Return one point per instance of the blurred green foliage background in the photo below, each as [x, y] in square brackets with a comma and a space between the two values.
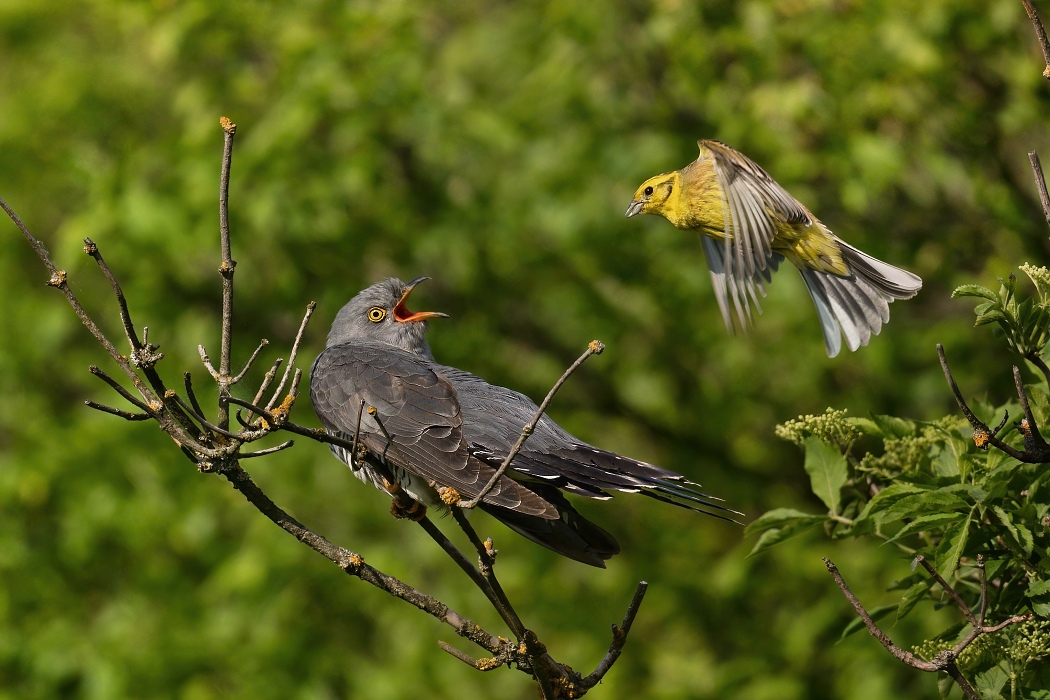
[495, 147]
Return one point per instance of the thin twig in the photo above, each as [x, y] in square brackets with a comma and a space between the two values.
[619, 638]
[59, 281]
[207, 362]
[595, 347]
[267, 380]
[187, 381]
[251, 360]
[269, 450]
[1033, 427]
[488, 664]
[458, 557]
[122, 304]
[226, 269]
[126, 415]
[1040, 184]
[949, 590]
[1040, 34]
[873, 629]
[208, 425]
[485, 558]
[115, 385]
[295, 351]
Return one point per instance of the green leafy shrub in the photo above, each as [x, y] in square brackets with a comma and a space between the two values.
[934, 489]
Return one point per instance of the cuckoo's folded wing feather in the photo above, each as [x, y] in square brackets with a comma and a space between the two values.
[418, 410]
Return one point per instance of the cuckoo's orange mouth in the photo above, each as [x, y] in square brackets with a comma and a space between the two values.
[403, 315]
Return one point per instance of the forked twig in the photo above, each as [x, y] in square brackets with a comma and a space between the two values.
[945, 660]
[1036, 451]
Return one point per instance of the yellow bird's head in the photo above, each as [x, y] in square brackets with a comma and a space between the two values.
[653, 195]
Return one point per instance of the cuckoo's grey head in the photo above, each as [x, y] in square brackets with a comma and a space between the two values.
[380, 313]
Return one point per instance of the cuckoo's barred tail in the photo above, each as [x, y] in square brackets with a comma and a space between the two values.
[858, 305]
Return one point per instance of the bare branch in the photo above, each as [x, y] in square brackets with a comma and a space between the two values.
[269, 450]
[949, 590]
[619, 638]
[355, 565]
[945, 660]
[188, 383]
[267, 380]
[463, 563]
[115, 385]
[291, 358]
[126, 415]
[207, 362]
[1040, 34]
[58, 280]
[226, 269]
[595, 347]
[251, 360]
[1040, 184]
[125, 316]
[873, 629]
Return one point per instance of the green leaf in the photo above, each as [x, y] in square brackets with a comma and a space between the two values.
[781, 517]
[1020, 534]
[865, 425]
[886, 498]
[1037, 588]
[952, 547]
[827, 472]
[943, 500]
[926, 522]
[779, 534]
[911, 597]
[990, 683]
[990, 316]
[974, 290]
[892, 426]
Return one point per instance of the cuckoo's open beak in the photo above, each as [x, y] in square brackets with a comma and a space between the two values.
[635, 208]
[403, 315]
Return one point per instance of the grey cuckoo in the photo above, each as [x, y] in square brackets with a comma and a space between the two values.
[429, 427]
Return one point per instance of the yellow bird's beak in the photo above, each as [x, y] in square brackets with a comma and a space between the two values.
[635, 208]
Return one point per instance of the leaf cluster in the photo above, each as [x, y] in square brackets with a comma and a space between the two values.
[1026, 323]
[928, 489]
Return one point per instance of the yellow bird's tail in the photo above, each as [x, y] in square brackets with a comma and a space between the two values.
[856, 306]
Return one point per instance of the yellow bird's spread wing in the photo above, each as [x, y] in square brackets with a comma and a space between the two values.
[756, 208]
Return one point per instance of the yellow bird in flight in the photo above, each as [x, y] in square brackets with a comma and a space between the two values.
[750, 224]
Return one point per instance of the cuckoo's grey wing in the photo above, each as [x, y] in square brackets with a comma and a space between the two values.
[417, 426]
[493, 417]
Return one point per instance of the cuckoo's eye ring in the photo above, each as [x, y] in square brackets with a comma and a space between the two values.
[648, 191]
[376, 314]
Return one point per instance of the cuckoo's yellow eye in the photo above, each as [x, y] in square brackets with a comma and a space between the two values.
[376, 314]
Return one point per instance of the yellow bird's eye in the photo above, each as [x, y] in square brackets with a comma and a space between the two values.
[648, 191]
[376, 314]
